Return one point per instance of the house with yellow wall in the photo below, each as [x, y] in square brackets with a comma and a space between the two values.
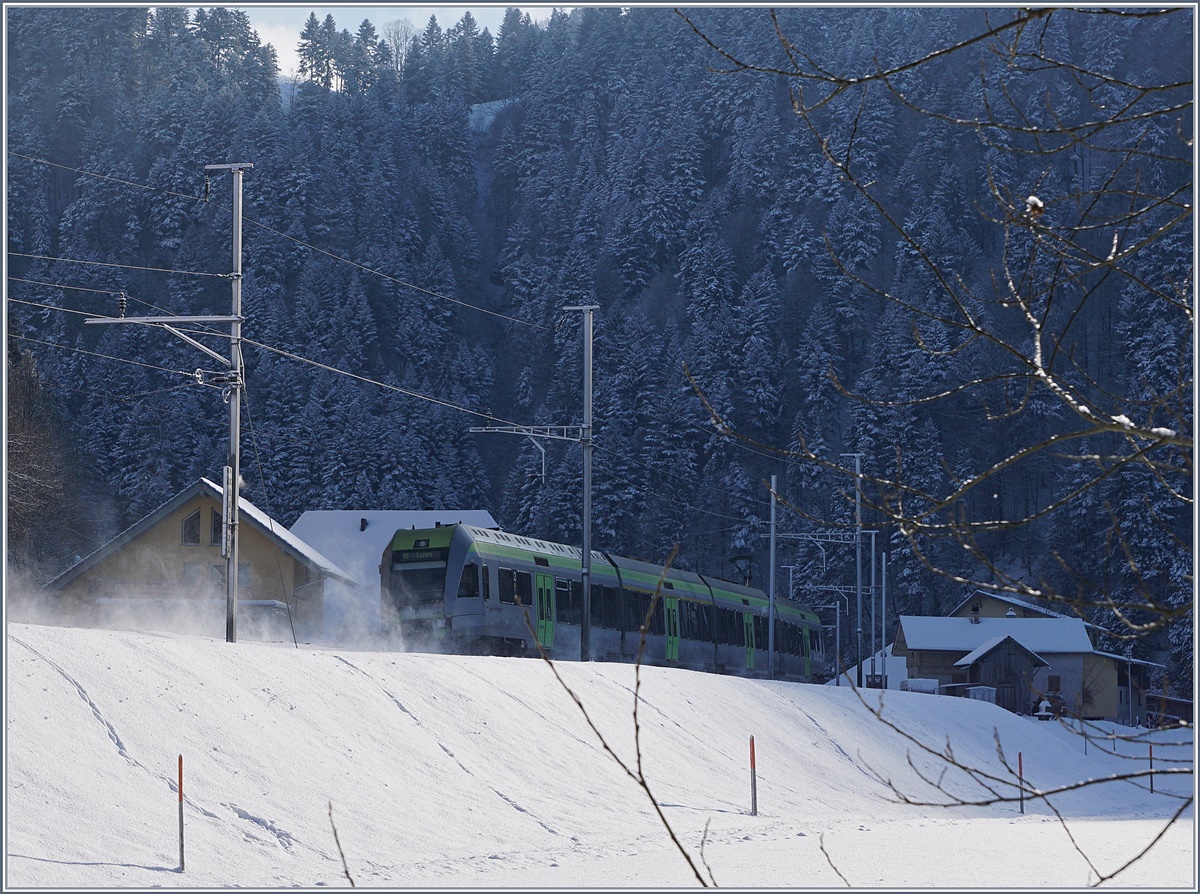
[167, 572]
[1111, 686]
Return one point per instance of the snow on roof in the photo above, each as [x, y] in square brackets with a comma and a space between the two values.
[1019, 603]
[359, 547]
[971, 657]
[1127, 660]
[1038, 635]
[295, 544]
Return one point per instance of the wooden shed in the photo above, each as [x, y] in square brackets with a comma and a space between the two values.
[1005, 665]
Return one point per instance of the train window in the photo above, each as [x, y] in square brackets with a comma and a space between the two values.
[614, 612]
[629, 606]
[508, 586]
[786, 638]
[722, 627]
[570, 610]
[657, 619]
[540, 560]
[468, 584]
[648, 610]
[524, 588]
[761, 633]
[687, 616]
[604, 607]
[487, 587]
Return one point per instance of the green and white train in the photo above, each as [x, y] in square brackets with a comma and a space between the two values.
[461, 589]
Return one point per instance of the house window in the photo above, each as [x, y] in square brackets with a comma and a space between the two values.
[193, 574]
[216, 574]
[191, 529]
[1055, 684]
[217, 535]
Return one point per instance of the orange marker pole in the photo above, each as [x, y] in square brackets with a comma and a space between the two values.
[181, 813]
[753, 782]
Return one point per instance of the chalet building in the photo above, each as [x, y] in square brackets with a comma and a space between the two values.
[1022, 659]
[166, 572]
[1115, 687]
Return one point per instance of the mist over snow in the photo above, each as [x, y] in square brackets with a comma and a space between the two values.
[468, 772]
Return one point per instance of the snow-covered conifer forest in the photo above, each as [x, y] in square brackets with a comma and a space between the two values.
[421, 211]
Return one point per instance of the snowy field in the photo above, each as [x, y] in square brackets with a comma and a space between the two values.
[482, 773]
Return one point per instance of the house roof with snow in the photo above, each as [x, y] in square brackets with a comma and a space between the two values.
[991, 645]
[1039, 635]
[247, 512]
[1024, 604]
[356, 538]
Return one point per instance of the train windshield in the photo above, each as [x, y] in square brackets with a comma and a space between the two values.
[418, 583]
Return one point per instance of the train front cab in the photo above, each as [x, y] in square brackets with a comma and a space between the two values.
[431, 588]
[502, 594]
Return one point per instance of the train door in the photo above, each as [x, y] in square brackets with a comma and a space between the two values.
[806, 651]
[748, 623]
[671, 606]
[544, 593]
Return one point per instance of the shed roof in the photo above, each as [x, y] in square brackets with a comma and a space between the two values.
[1042, 636]
[273, 530]
[992, 644]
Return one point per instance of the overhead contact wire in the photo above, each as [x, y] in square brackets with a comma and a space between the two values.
[204, 200]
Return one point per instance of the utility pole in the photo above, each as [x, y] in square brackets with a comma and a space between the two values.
[871, 559]
[232, 382]
[585, 441]
[858, 555]
[233, 396]
[883, 614]
[583, 435]
[771, 592]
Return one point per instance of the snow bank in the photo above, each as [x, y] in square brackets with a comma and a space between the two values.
[482, 772]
